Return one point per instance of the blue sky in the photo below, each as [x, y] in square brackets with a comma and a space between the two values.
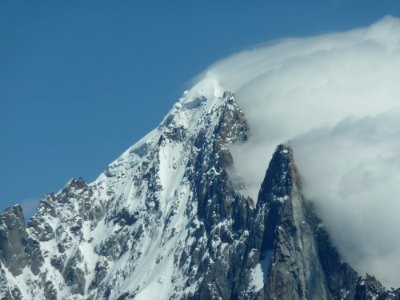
[80, 81]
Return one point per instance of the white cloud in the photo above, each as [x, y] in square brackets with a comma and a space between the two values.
[352, 173]
[336, 98]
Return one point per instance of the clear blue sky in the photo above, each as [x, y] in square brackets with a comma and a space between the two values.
[80, 81]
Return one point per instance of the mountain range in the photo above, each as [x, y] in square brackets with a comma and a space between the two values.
[167, 220]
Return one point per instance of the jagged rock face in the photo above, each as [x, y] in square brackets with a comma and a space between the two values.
[165, 221]
[294, 250]
[155, 224]
[302, 262]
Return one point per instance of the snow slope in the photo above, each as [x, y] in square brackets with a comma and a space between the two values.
[124, 233]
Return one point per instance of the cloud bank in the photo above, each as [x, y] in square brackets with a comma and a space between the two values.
[336, 99]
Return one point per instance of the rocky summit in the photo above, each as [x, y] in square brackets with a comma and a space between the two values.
[166, 221]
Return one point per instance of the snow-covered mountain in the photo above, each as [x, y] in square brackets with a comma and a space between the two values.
[166, 221]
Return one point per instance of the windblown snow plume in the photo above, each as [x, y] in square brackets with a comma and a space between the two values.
[336, 99]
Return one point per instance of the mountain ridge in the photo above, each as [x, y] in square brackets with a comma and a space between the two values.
[166, 221]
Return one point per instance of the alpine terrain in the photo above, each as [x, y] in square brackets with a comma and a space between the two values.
[166, 221]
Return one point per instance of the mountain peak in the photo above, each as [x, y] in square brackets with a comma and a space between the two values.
[281, 175]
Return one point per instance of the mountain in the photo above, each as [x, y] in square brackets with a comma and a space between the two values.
[166, 221]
